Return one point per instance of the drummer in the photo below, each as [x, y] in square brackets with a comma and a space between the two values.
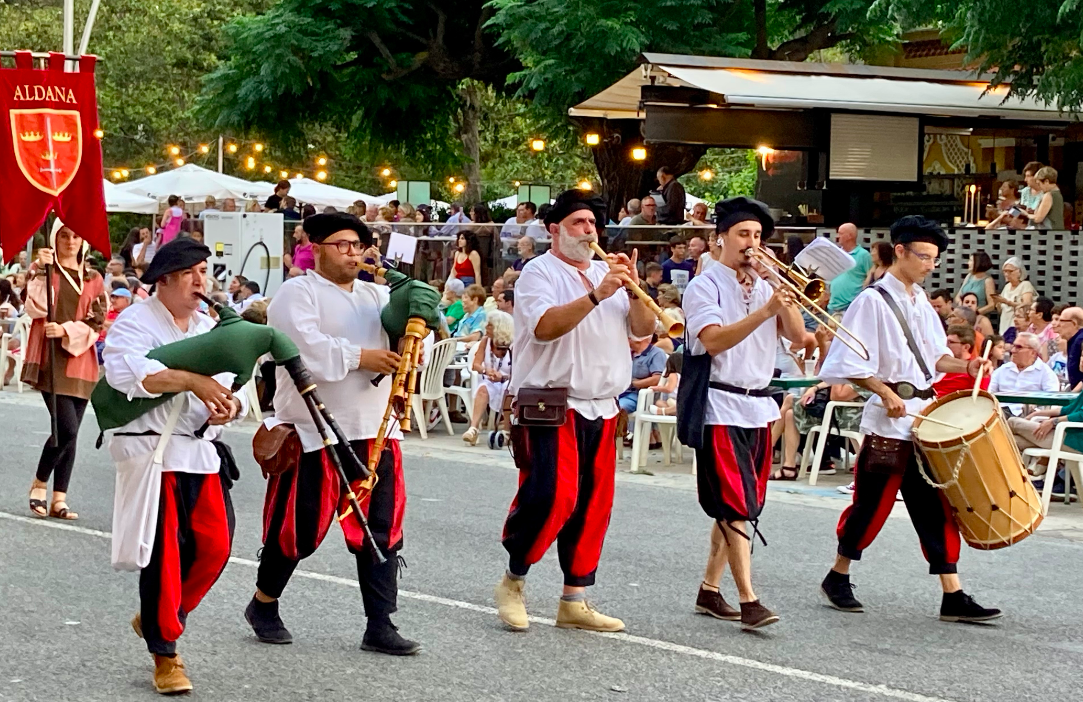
[907, 350]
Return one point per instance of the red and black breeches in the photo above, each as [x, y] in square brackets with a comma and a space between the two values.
[566, 482]
[191, 548]
[300, 506]
[732, 469]
[875, 488]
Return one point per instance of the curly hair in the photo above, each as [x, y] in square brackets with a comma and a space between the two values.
[503, 327]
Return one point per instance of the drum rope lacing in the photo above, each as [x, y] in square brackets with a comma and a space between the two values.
[964, 451]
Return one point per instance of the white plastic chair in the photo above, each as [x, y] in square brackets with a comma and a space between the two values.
[821, 434]
[1073, 463]
[20, 331]
[432, 386]
[667, 429]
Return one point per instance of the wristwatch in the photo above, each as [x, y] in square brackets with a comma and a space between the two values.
[593, 298]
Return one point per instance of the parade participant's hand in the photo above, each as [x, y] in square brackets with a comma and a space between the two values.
[629, 263]
[218, 418]
[45, 257]
[782, 299]
[54, 331]
[977, 364]
[219, 400]
[379, 361]
[894, 405]
[1044, 428]
[612, 282]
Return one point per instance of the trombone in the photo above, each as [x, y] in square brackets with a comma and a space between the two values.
[807, 290]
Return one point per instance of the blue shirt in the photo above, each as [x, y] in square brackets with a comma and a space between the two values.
[669, 265]
[450, 229]
[473, 322]
[1075, 350]
[648, 363]
[845, 287]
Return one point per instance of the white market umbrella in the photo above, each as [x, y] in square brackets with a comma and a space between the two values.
[317, 194]
[194, 183]
[510, 202]
[117, 200]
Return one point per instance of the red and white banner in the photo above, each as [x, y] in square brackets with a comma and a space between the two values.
[50, 157]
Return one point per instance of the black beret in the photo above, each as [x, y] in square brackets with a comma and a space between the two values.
[743, 209]
[178, 255]
[574, 200]
[917, 228]
[319, 227]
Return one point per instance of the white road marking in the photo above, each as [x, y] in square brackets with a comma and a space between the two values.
[751, 663]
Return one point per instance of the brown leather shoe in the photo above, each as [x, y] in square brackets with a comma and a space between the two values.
[170, 677]
[754, 615]
[711, 603]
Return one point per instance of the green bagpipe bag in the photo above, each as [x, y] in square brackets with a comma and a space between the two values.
[409, 298]
[232, 346]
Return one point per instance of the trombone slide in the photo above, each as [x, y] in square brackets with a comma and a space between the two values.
[672, 326]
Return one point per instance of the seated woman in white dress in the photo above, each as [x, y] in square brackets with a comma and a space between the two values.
[492, 362]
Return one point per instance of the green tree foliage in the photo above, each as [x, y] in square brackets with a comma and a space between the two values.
[1036, 47]
[733, 173]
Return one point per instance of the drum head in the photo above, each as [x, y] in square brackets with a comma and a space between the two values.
[969, 414]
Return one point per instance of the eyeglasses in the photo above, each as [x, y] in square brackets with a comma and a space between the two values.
[346, 245]
[924, 258]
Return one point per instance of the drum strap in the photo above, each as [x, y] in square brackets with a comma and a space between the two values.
[894, 306]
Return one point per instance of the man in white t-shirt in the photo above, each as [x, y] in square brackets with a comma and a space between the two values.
[572, 322]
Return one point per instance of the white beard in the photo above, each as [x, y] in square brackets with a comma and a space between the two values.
[574, 248]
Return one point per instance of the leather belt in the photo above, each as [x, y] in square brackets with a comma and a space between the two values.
[750, 392]
[907, 391]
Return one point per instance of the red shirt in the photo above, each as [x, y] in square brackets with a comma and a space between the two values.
[952, 382]
[111, 316]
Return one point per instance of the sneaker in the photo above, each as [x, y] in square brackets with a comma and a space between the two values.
[711, 603]
[265, 622]
[961, 607]
[581, 615]
[381, 636]
[510, 604]
[754, 616]
[839, 592]
[847, 489]
[828, 469]
[470, 436]
[170, 677]
[434, 418]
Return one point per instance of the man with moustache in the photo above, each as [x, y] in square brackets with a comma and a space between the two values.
[334, 319]
[572, 322]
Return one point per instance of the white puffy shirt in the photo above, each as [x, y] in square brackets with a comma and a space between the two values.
[592, 360]
[137, 330]
[890, 358]
[331, 327]
[1037, 377]
[715, 297]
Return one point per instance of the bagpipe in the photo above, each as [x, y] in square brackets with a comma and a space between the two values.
[233, 346]
[409, 316]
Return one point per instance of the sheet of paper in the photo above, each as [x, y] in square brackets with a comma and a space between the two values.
[401, 247]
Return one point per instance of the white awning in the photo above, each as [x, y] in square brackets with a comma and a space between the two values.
[117, 200]
[784, 85]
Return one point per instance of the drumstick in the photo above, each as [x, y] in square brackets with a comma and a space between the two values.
[672, 326]
[981, 371]
[924, 418]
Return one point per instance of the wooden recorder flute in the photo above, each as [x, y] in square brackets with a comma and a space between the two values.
[672, 326]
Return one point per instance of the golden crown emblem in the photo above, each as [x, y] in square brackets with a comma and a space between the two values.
[61, 136]
[49, 155]
[31, 136]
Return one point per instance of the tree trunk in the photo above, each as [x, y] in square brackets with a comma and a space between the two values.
[468, 133]
[759, 18]
[623, 178]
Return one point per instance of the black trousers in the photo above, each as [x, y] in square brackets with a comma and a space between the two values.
[58, 462]
[300, 507]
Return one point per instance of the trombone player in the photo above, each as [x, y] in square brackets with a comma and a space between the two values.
[334, 319]
[725, 408]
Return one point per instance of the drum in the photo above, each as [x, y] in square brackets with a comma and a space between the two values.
[979, 468]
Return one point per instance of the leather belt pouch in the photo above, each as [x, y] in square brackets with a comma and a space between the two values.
[887, 456]
[276, 450]
[541, 407]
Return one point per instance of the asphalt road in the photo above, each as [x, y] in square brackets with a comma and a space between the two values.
[64, 613]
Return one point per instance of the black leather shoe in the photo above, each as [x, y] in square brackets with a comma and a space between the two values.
[265, 622]
[383, 637]
[839, 592]
[961, 607]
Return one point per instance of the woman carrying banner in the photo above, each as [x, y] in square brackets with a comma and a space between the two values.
[79, 306]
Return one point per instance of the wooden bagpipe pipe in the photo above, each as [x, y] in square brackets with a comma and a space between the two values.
[233, 346]
[409, 316]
